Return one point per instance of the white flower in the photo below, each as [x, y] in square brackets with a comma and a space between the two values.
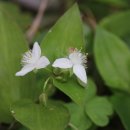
[75, 60]
[33, 60]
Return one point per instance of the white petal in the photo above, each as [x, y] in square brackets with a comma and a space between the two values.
[80, 72]
[26, 69]
[62, 63]
[42, 63]
[36, 51]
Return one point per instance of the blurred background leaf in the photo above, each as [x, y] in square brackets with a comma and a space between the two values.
[114, 2]
[118, 24]
[112, 58]
[23, 19]
[121, 104]
[12, 88]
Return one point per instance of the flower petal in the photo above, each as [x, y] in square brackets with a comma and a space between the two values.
[80, 72]
[62, 63]
[36, 51]
[26, 69]
[42, 63]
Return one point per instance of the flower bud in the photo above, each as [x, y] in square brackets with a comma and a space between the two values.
[43, 99]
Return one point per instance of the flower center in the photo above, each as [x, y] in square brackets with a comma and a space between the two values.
[77, 57]
[27, 58]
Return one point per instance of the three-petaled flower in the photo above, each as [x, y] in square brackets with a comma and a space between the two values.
[33, 60]
[75, 60]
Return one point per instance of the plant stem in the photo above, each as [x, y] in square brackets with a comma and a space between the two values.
[45, 84]
[11, 125]
[72, 126]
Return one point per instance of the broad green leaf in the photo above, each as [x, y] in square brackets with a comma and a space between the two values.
[112, 59]
[12, 88]
[72, 89]
[79, 118]
[121, 104]
[99, 109]
[76, 92]
[66, 33]
[117, 23]
[37, 117]
[91, 90]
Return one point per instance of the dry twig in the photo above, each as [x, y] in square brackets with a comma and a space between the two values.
[37, 21]
[90, 19]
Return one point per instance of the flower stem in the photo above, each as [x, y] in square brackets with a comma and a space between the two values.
[45, 84]
[48, 70]
[11, 125]
[43, 97]
[73, 127]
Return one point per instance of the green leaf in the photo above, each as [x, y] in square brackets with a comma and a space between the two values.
[99, 109]
[12, 88]
[91, 90]
[76, 92]
[66, 33]
[112, 59]
[117, 23]
[79, 118]
[121, 104]
[72, 89]
[37, 117]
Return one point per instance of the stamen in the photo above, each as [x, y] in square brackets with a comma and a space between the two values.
[77, 57]
[27, 56]
[84, 60]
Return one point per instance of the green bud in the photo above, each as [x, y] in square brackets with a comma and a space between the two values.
[64, 74]
[57, 71]
[43, 99]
